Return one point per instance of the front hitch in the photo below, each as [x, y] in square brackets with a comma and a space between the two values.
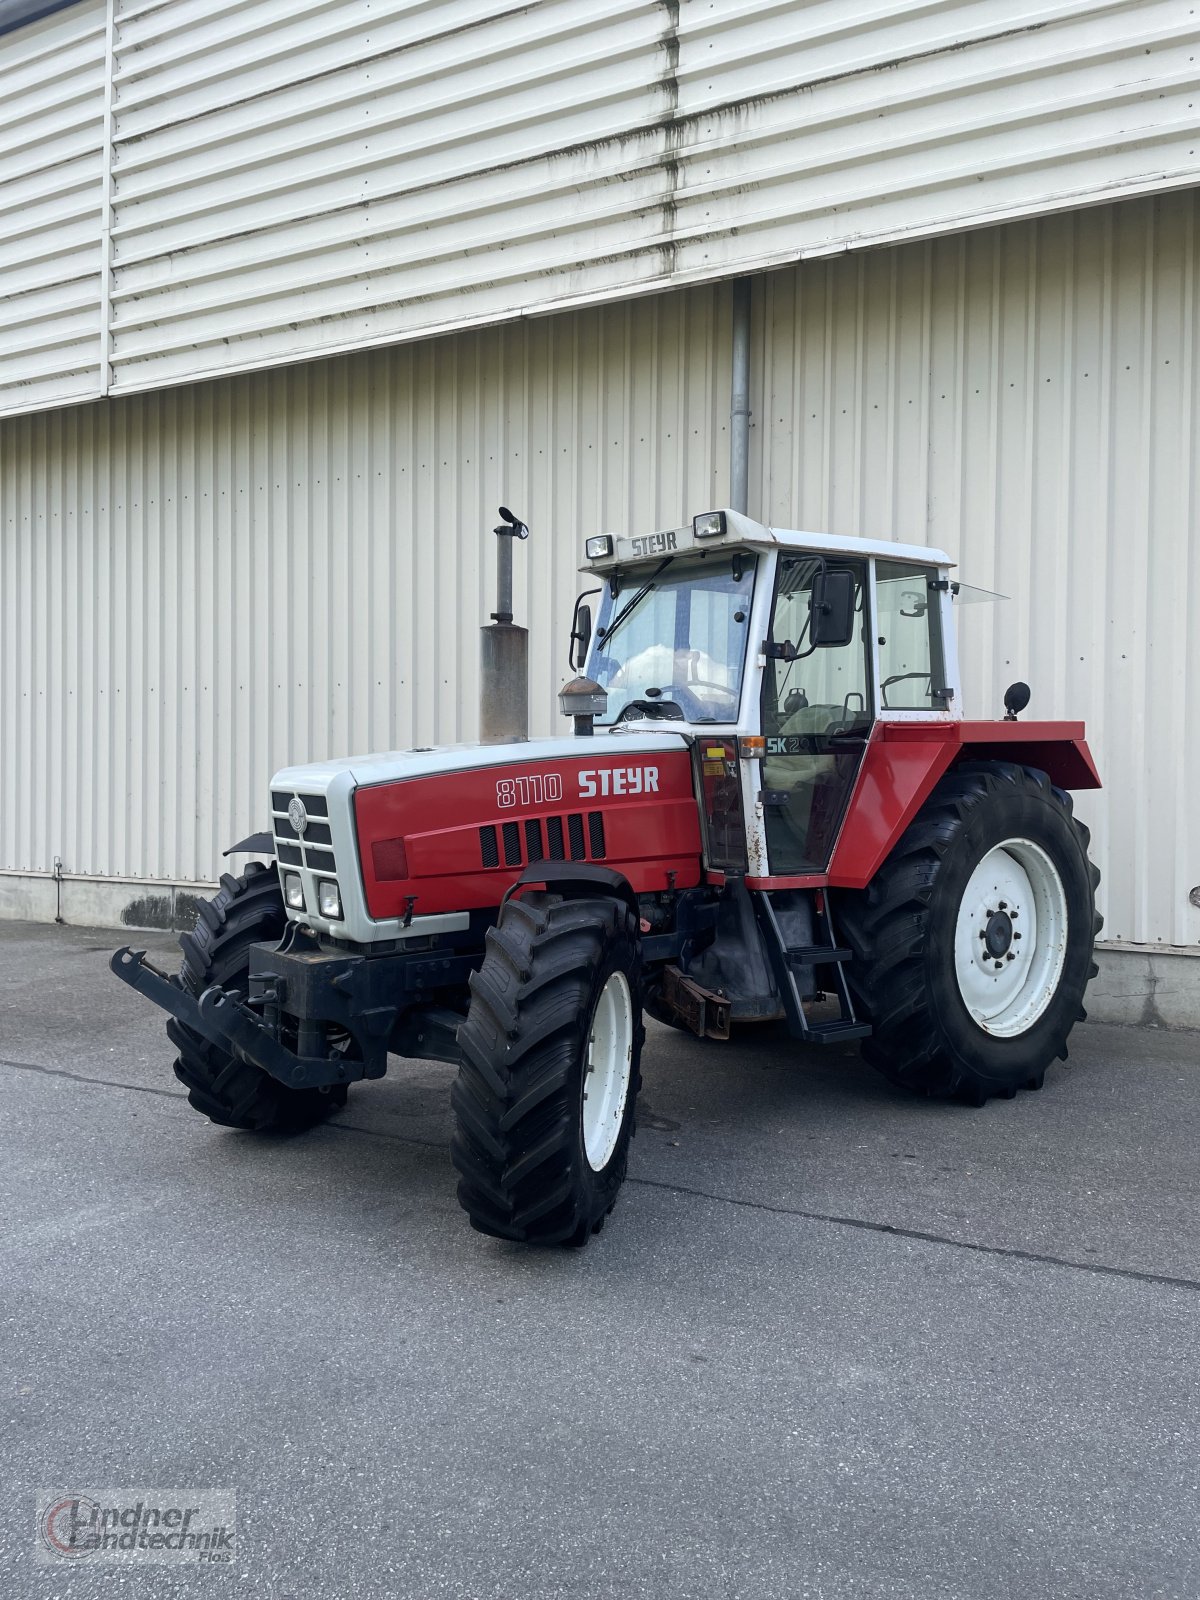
[221, 1017]
[166, 992]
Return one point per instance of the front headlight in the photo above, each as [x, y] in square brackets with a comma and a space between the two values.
[328, 900]
[599, 546]
[293, 891]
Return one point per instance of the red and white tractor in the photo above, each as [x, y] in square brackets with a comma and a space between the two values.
[771, 809]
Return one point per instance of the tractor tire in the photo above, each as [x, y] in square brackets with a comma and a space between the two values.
[246, 911]
[544, 1103]
[973, 944]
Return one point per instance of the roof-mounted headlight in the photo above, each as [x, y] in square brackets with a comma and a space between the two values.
[599, 546]
[708, 525]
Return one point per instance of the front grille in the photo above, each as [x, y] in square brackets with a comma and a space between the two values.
[314, 847]
[544, 839]
[315, 804]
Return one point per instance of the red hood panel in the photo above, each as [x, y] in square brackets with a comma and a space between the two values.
[469, 834]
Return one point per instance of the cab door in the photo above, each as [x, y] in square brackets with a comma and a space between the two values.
[817, 714]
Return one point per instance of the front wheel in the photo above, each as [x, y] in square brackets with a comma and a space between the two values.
[973, 944]
[234, 1093]
[545, 1098]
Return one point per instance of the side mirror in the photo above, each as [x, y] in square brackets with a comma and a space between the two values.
[831, 609]
[581, 636]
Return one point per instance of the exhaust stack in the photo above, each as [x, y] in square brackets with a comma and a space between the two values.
[504, 651]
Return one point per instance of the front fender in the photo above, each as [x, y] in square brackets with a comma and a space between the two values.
[576, 880]
[258, 844]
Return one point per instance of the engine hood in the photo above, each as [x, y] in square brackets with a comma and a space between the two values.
[426, 761]
[402, 835]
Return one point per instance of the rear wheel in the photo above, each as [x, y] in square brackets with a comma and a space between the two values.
[545, 1097]
[246, 911]
[973, 944]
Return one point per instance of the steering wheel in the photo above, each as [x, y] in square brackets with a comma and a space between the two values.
[656, 710]
[902, 677]
[694, 707]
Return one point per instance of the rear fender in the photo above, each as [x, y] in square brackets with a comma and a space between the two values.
[904, 760]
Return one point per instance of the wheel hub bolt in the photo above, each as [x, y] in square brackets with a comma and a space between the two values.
[998, 936]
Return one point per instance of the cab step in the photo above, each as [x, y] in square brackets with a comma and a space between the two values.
[818, 955]
[788, 960]
[837, 1031]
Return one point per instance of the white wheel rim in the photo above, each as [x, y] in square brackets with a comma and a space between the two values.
[607, 1069]
[1010, 940]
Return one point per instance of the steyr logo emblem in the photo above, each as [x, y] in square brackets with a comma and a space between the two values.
[618, 780]
[297, 815]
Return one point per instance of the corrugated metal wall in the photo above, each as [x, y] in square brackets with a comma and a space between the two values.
[198, 585]
[292, 177]
[51, 207]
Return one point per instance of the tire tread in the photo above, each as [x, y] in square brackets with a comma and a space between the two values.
[886, 925]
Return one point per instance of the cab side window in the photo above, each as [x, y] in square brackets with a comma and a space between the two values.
[910, 657]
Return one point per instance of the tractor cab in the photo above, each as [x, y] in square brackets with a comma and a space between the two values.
[779, 650]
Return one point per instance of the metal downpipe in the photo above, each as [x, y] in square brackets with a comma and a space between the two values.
[739, 410]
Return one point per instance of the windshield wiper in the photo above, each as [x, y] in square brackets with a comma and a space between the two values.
[603, 635]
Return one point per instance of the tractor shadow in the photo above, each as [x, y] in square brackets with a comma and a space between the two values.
[759, 1068]
[759, 1117]
[817, 1127]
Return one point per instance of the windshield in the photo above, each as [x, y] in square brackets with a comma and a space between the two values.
[678, 655]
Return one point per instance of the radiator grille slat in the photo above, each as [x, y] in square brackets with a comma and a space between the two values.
[534, 839]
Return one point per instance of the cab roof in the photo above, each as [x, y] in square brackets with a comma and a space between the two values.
[742, 532]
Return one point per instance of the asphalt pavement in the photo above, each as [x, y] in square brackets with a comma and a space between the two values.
[835, 1341]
